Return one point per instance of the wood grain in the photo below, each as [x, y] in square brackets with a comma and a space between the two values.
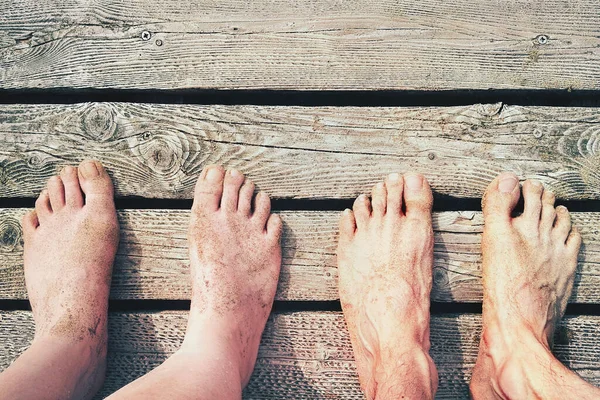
[305, 355]
[304, 44]
[154, 150]
[152, 260]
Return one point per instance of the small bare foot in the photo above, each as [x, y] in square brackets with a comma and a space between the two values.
[385, 260]
[235, 258]
[529, 265]
[70, 244]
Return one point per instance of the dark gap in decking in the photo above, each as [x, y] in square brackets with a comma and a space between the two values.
[370, 98]
[147, 305]
[441, 203]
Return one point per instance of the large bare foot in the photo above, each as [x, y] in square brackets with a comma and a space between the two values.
[235, 259]
[385, 260]
[70, 243]
[529, 265]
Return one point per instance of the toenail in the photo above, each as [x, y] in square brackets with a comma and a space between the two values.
[414, 182]
[536, 183]
[508, 184]
[362, 197]
[395, 177]
[68, 170]
[234, 173]
[89, 169]
[212, 174]
[561, 209]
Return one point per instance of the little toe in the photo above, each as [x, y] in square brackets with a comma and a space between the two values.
[395, 186]
[95, 183]
[347, 225]
[362, 211]
[562, 225]
[231, 190]
[209, 189]
[56, 191]
[532, 197]
[417, 196]
[574, 241]
[73, 195]
[379, 199]
[29, 222]
[275, 227]
[43, 209]
[262, 209]
[245, 197]
[501, 197]
[548, 212]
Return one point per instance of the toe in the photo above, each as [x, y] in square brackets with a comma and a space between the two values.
[245, 197]
[532, 197]
[417, 196]
[73, 195]
[209, 189]
[43, 209]
[395, 186]
[362, 211]
[347, 225]
[379, 199]
[275, 227]
[95, 183]
[231, 190]
[501, 197]
[562, 225]
[29, 222]
[548, 212]
[262, 209]
[574, 241]
[56, 191]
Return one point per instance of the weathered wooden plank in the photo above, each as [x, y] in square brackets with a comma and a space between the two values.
[305, 355]
[155, 150]
[305, 44]
[152, 261]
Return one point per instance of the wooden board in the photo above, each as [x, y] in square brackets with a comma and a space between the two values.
[305, 44]
[152, 261]
[155, 150]
[305, 355]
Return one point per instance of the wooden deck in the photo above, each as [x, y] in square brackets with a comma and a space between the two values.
[312, 159]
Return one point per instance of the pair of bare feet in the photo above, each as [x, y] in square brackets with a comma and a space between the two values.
[385, 260]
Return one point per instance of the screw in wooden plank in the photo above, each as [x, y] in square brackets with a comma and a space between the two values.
[158, 42]
[146, 35]
[542, 39]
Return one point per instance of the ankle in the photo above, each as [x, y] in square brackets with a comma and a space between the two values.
[411, 374]
[504, 363]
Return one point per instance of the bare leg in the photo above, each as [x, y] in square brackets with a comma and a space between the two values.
[385, 260]
[235, 259]
[528, 270]
[70, 244]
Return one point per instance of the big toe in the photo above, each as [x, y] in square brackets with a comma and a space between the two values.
[501, 196]
[209, 189]
[418, 197]
[95, 182]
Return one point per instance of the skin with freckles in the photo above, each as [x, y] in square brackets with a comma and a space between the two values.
[70, 243]
[529, 264]
[385, 261]
[235, 257]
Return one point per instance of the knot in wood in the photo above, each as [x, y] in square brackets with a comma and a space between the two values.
[10, 233]
[164, 153]
[440, 278]
[98, 122]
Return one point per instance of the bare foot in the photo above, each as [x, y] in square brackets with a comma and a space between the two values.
[70, 244]
[235, 258]
[529, 265]
[385, 260]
